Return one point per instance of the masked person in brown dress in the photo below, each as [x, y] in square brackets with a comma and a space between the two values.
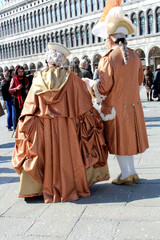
[60, 148]
[120, 75]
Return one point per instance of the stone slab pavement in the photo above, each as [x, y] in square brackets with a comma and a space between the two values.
[111, 213]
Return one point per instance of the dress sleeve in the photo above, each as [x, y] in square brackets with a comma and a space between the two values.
[105, 71]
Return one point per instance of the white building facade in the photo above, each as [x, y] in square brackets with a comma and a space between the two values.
[27, 26]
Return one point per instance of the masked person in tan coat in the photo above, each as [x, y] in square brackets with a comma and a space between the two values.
[120, 75]
[60, 148]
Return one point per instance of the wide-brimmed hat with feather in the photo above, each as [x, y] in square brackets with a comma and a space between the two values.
[113, 20]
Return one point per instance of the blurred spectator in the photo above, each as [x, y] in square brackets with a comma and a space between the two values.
[30, 76]
[7, 97]
[96, 75]
[148, 81]
[74, 66]
[18, 89]
[156, 83]
[84, 68]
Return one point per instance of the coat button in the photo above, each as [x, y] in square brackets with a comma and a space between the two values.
[133, 104]
[124, 106]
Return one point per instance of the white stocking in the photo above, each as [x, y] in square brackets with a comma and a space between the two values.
[131, 164]
[126, 164]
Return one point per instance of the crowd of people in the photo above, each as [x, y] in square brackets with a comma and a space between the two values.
[14, 88]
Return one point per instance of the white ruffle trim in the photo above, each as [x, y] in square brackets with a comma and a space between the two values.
[104, 117]
[98, 99]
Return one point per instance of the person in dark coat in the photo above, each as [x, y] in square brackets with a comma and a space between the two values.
[148, 81]
[156, 82]
[84, 69]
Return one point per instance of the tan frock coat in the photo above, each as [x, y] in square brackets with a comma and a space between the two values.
[60, 148]
[126, 133]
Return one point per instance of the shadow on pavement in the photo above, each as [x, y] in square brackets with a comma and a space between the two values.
[109, 193]
[7, 145]
[152, 125]
[152, 119]
[5, 180]
[35, 200]
[7, 170]
[4, 159]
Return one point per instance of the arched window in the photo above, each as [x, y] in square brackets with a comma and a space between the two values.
[88, 34]
[14, 26]
[82, 36]
[31, 20]
[158, 20]
[134, 21]
[62, 37]
[87, 6]
[24, 22]
[47, 15]
[93, 36]
[82, 6]
[21, 24]
[35, 19]
[104, 2]
[25, 47]
[12, 49]
[150, 22]
[15, 47]
[36, 41]
[71, 8]
[72, 38]
[77, 37]
[52, 37]
[44, 42]
[76, 7]
[66, 9]
[6, 51]
[19, 49]
[57, 37]
[48, 38]
[9, 51]
[52, 14]
[2, 29]
[142, 23]
[40, 44]
[8, 27]
[67, 39]
[56, 13]
[28, 22]
[99, 4]
[43, 17]
[61, 11]
[29, 47]
[33, 46]
[17, 23]
[11, 27]
[93, 6]
[22, 48]
[39, 18]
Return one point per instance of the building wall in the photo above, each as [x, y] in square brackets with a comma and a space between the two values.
[27, 26]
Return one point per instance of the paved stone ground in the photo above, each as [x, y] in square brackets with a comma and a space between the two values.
[111, 213]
